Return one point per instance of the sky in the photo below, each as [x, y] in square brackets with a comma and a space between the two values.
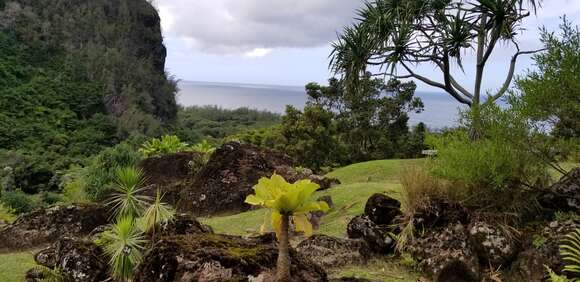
[287, 42]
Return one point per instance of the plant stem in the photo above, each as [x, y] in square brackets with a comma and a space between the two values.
[283, 263]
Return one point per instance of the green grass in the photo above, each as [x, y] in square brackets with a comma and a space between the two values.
[359, 182]
[373, 171]
[13, 266]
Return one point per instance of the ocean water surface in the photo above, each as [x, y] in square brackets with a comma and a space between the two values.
[440, 109]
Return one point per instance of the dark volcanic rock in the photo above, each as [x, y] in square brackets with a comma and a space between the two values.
[440, 213]
[564, 195]
[212, 257]
[223, 184]
[382, 209]
[539, 249]
[446, 255]
[333, 252]
[184, 224]
[379, 237]
[169, 173]
[46, 225]
[77, 260]
[493, 246]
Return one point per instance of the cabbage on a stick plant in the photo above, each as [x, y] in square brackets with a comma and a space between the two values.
[287, 202]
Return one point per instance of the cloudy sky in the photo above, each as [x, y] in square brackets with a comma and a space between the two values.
[286, 42]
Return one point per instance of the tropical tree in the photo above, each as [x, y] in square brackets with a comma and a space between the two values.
[288, 203]
[393, 34]
[128, 200]
[157, 213]
[124, 244]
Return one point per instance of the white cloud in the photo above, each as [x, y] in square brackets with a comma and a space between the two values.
[258, 52]
[252, 26]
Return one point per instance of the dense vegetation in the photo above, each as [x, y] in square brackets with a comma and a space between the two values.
[341, 126]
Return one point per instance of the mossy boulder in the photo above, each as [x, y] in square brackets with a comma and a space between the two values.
[214, 257]
[46, 225]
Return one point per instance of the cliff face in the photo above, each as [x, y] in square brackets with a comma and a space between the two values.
[115, 43]
[77, 76]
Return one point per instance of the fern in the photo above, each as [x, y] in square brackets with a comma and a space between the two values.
[570, 252]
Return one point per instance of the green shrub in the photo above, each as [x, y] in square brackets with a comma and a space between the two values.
[74, 186]
[6, 214]
[167, 144]
[496, 168]
[100, 173]
[19, 201]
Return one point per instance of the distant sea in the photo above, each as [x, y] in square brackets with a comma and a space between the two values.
[440, 109]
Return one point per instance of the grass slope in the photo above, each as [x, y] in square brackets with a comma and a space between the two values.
[13, 266]
[359, 182]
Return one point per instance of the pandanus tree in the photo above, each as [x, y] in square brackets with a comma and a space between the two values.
[287, 203]
[393, 35]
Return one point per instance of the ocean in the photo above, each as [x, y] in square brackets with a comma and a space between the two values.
[440, 109]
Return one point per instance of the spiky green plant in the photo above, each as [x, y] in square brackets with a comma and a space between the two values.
[127, 200]
[287, 202]
[570, 252]
[203, 147]
[157, 213]
[123, 244]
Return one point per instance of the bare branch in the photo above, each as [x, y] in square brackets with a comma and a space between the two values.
[510, 74]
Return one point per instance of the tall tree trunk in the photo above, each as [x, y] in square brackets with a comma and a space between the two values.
[283, 264]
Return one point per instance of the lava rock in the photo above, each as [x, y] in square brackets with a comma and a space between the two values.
[564, 195]
[223, 184]
[541, 248]
[333, 252]
[182, 224]
[45, 225]
[446, 255]
[379, 238]
[225, 181]
[440, 213]
[77, 260]
[382, 209]
[168, 173]
[213, 257]
[493, 246]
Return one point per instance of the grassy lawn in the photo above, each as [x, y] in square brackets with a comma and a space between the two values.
[13, 266]
[359, 182]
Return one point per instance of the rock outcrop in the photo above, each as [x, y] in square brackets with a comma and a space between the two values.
[378, 225]
[233, 169]
[77, 260]
[212, 257]
[334, 252]
[564, 195]
[493, 245]
[169, 173]
[46, 225]
[446, 255]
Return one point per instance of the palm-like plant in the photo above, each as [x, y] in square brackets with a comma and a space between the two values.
[401, 34]
[203, 147]
[287, 202]
[157, 213]
[127, 200]
[123, 244]
[570, 252]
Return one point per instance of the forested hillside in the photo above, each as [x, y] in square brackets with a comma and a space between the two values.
[76, 77]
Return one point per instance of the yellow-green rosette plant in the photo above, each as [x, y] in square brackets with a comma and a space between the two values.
[287, 202]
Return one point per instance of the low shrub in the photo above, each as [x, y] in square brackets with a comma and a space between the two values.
[6, 214]
[498, 169]
[100, 173]
[19, 201]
